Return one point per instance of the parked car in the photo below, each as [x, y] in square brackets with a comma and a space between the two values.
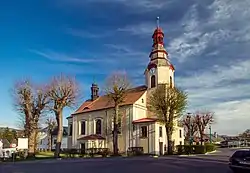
[240, 161]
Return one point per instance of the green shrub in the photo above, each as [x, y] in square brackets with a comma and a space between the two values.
[199, 149]
[194, 149]
[180, 149]
[210, 147]
[188, 149]
[135, 151]
[23, 154]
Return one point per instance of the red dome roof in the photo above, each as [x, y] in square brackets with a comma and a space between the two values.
[158, 31]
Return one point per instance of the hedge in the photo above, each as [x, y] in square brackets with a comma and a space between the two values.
[210, 147]
[194, 149]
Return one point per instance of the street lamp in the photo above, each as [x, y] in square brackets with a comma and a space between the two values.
[190, 136]
[210, 134]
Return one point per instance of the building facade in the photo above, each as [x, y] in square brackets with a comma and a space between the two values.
[43, 144]
[91, 125]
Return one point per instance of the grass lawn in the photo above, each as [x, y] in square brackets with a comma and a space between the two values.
[48, 154]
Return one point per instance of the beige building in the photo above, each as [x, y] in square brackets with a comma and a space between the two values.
[91, 125]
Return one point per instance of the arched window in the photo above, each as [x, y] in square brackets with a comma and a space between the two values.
[98, 126]
[153, 81]
[171, 82]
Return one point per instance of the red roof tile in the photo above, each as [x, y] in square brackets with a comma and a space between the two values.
[104, 102]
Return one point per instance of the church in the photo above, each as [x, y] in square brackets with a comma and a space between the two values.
[90, 126]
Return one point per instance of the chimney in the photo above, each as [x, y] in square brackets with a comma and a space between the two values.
[94, 91]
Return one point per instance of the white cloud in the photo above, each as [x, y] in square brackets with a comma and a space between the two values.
[236, 71]
[55, 56]
[232, 117]
[142, 5]
[196, 36]
[226, 23]
[228, 11]
[218, 91]
[86, 34]
[141, 29]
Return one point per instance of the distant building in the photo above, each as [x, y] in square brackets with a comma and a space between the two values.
[91, 125]
[44, 139]
[215, 138]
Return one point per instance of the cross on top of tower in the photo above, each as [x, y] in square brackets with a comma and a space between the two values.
[158, 22]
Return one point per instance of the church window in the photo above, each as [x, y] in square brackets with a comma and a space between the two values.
[70, 129]
[160, 131]
[153, 81]
[144, 132]
[171, 82]
[98, 127]
[83, 128]
[142, 100]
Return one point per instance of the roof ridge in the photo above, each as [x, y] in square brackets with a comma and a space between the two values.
[92, 102]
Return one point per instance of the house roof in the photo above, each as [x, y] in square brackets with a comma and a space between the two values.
[92, 137]
[103, 102]
[6, 143]
[65, 131]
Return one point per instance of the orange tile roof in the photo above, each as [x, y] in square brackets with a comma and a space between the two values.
[103, 102]
[145, 120]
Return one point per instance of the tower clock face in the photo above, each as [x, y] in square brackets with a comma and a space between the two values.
[152, 70]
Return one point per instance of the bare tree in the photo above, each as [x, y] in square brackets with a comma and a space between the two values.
[167, 104]
[202, 119]
[30, 101]
[115, 88]
[190, 126]
[63, 93]
[51, 125]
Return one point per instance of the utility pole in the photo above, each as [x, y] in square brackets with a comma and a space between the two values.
[190, 137]
[210, 134]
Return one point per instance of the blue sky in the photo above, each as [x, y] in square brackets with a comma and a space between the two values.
[208, 42]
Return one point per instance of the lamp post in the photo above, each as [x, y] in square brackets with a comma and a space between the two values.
[210, 134]
[190, 137]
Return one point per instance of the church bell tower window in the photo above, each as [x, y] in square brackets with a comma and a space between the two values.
[153, 81]
[171, 82]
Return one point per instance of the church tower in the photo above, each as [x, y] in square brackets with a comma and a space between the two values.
[94, 91]
[159, 69]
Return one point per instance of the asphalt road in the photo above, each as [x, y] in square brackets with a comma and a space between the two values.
[120, 165]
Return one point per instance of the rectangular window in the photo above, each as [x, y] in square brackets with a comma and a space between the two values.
[54, 141]
[144, 132]
[83, 128]
[70, 129]
[134, 128]
[180, 142]
[180, 133]
[160, 131]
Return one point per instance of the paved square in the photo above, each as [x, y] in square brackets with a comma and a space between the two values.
[119, 165]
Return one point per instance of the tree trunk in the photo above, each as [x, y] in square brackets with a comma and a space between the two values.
[36, 139]
[115, 132]
[169, 140]
[59, 134]
[31, 143]
[49, 142]
[201, 134]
